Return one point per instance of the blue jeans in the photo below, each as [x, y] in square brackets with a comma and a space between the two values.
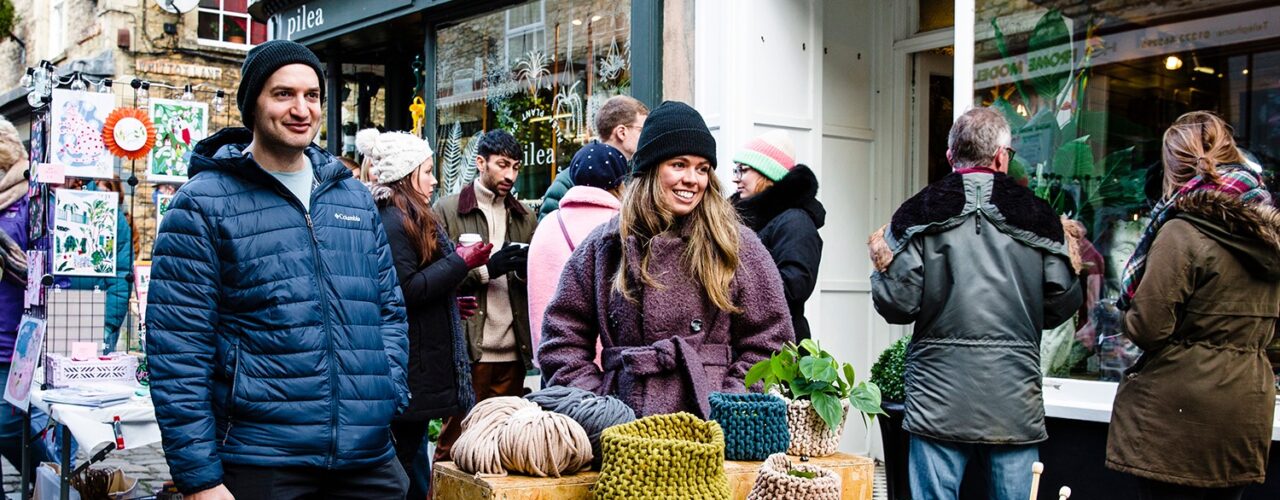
[937, 467]
[11, 432]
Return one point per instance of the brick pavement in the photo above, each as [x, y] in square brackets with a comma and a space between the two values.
[146, 464]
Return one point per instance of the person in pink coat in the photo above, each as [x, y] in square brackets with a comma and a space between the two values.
[597, 171]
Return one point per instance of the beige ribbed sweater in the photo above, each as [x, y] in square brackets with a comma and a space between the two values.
[498, 343]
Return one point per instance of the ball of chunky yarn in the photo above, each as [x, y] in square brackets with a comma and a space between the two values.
[594, 413]
[542, 443]
[476, 450]
[510, 433]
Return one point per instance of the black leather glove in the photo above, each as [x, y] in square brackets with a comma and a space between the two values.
[509, 258]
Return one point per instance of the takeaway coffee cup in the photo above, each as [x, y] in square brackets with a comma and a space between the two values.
[469, 239]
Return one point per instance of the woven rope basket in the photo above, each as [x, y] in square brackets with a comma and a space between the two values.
[663, 456]
[810, 436]
[774, 482]
[755, 425]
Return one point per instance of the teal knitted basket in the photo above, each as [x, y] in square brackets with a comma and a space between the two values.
[755, 425]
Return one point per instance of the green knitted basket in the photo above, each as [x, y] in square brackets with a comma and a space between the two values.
[663, 456]
[755, 425]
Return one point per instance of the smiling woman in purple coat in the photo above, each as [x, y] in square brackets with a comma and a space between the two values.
[683, 298]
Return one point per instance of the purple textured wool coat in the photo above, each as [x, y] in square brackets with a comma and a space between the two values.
[672, 348]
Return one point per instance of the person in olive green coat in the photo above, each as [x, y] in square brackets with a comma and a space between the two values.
[1193, 417]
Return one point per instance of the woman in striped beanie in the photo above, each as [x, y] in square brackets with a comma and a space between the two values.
[778, 199]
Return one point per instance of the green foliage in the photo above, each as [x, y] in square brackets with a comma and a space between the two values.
[816, 375]
[801, 474]
[8, 18]
[433, 429]
[887, 372]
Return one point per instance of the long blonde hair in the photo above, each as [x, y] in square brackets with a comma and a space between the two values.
[1196, 144]
[711, 255]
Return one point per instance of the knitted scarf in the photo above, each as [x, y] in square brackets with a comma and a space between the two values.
[1233, 179]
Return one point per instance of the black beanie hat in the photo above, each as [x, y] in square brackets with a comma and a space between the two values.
[261, 63]
[672, 129]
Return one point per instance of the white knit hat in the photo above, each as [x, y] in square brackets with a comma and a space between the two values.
[365, 139]
[395, 155]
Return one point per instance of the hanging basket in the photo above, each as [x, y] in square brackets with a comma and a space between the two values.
[663, 456]
[776, 481]
[755, 425]
[810, 436]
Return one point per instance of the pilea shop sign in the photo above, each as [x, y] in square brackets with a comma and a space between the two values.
[303, 22]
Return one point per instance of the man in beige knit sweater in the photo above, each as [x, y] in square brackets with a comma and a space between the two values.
[498, 334]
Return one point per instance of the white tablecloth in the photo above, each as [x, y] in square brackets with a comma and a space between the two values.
[92, 426]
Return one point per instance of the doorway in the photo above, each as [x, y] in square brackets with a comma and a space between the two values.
[932, 80]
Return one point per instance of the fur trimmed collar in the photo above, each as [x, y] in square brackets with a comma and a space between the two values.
[1250, 231]
[798, 189]
[1012, 208]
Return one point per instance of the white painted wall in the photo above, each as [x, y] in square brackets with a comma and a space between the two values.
[760, 65]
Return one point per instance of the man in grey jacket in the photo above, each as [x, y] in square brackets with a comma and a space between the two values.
[981, 266]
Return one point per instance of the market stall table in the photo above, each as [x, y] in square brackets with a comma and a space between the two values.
[93, 428]
[449, 483]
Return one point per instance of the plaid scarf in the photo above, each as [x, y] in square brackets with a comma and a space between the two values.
[1235, 180]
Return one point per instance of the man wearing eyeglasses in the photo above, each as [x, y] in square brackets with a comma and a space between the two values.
[618, 124]
[498, 333]
[981, 266]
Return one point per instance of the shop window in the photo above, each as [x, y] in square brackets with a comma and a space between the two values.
[228, 21]
[539, 70]
[1089, 92]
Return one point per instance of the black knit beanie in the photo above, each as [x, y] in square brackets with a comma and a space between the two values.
[672, 129]
[262, 62]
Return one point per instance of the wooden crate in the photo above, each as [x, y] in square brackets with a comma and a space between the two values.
[449, 483]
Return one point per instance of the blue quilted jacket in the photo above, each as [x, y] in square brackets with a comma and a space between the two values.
[276, 338]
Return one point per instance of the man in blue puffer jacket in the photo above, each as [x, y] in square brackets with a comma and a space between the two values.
[277, 335]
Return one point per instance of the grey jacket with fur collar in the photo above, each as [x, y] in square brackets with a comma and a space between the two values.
[981, 267]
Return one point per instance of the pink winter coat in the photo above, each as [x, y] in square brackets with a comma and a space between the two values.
[582, 208]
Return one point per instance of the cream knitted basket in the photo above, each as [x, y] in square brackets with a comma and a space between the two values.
[774, 481]
[810, 436]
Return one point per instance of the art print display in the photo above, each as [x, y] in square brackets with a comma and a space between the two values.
[142, 283]
[37, 139]
[26, 353]
[162, 208]
[84, 232]
[35, 271]
[37, 215]
[179, 125]
[75, 126]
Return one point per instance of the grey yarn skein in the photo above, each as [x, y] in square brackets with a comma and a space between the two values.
[594, 413]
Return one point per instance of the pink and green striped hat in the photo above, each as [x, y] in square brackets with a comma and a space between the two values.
[772, 154]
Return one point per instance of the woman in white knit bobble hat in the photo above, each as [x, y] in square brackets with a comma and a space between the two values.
[430, 270]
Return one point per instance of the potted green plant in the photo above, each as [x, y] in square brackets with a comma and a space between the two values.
[819, 391]
[887, 374]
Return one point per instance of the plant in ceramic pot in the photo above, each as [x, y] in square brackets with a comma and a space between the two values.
[819, 391]
[887, 373]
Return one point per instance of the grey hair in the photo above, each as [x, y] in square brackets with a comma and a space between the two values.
[977, 137]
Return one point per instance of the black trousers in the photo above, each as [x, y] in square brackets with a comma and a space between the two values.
[250, 482]
[1155, 490]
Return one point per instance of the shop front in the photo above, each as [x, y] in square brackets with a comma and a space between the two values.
[1089, 89]
[451, 70]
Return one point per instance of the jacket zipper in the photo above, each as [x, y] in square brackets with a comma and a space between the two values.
[333, 373]
[235, 377]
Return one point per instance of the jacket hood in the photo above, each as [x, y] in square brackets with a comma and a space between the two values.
[589, 197]
[1250, 231]
[224, 151]
[798, 189]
